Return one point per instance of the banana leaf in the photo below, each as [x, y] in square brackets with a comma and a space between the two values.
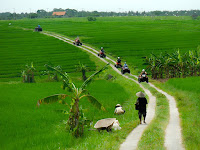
[94, 102]
[51, 99]
[92, 76]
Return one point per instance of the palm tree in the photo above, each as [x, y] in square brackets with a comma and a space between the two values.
[77, 94]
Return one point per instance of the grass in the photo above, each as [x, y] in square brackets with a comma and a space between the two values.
[131, 38]
[21, 47]
[186, 92]
[153, 137]
[20, 119]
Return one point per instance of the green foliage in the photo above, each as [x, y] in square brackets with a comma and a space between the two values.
[52, 75]
[75, 125]
[174, 65]
[28, 74]
[194, 16]
[52, 99]
[82, 68]
[91, 18]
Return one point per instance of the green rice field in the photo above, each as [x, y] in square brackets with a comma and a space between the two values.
[24, 126]
[20, 47]
[131, 38]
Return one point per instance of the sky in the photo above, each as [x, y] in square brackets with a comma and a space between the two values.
[19, 6]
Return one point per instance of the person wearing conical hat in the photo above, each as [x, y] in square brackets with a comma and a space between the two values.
[119, 110]
[141, 102]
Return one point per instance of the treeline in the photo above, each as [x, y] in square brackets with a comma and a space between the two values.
[174, 65]
[75, 13]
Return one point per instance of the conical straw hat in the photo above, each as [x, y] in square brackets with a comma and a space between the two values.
[104, 122]
[118, 105]
[140, 94]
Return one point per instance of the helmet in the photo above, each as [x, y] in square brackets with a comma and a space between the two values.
[118, 57]
[101, 47]
[143, 70]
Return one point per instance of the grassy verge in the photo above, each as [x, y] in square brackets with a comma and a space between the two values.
[186, 92]
[153, 136]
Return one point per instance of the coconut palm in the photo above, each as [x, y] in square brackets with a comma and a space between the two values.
[76, 95]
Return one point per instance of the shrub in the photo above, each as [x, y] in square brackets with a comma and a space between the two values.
[91, 18]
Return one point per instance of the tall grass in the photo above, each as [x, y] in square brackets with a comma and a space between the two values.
[186, 92]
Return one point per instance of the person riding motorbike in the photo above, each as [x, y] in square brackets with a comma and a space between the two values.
[125, 65]
[118, 60]
[118, 63]
[143, 72]
[102, 50]
[143, 77]
[77, 40]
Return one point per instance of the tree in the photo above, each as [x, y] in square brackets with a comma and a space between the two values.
[74, 123]
[33, 15]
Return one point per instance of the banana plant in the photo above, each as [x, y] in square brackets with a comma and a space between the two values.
[73, 123]
[28, 73]
[82, 68]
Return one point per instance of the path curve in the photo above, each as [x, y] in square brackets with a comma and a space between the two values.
[173, 140]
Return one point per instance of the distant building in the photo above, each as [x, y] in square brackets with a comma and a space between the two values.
[61, 13]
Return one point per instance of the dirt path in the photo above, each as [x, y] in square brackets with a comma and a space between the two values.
[173, 140]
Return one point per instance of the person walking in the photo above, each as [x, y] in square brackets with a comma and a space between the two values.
[141, 102]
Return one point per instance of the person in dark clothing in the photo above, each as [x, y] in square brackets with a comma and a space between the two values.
[141, 102]
[118, 60]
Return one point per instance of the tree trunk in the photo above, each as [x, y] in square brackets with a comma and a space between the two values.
[83, 75]
[73, 120]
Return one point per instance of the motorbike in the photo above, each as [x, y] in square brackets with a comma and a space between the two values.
[101, 54]
[118, 65]
[143, 78]
[125, 69]
[38, 29]
[77, 43]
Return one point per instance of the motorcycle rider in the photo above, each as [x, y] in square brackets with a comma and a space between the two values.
[125, 65]
[102, 50]
[77, 40]
[143, 72]
[118, 60]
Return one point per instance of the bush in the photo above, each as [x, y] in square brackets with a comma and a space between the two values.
[194, 16]
[91, 19]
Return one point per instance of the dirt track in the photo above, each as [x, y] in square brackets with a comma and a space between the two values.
[173, 140]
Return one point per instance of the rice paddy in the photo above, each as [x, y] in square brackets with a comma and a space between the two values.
[131, 38]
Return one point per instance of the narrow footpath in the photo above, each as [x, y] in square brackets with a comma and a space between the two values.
[173, 140]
